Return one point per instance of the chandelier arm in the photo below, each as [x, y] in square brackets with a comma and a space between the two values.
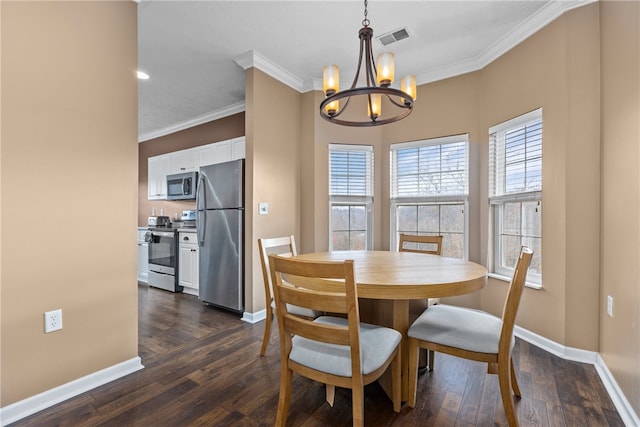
[373, 72]
[344, 107]
[355, 78]
[369, 62]
[408, 101]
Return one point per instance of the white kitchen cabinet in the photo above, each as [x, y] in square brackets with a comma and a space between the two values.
[188, 263]
[218, 152]
[158, 168]
[143, 257]
[238, 148]
[184, 161]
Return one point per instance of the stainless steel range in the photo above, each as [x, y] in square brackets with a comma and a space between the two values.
[163, 244]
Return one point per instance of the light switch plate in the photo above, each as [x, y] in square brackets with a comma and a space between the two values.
[263, 208]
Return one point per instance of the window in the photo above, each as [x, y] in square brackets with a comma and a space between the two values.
[350, 197]
[429, 191]
[515, 192]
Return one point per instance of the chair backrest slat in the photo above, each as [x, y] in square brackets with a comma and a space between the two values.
[314, 298]
[332, 334]
[421, 244]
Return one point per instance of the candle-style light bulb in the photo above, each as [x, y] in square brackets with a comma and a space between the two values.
[385, 69]
[374, 106]
[330, 79]
[408, 86]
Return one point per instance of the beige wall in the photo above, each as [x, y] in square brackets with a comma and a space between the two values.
[218, 130]
[620, 260]
[272, 172]
[69, 166]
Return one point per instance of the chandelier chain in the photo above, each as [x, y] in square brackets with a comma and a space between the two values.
[365, 21]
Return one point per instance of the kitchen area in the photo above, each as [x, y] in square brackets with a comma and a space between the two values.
[192, 240]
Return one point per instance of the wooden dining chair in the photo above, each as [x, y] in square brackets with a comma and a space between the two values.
[284, 246]
[424, 245]
[336, 349]
[475, 335]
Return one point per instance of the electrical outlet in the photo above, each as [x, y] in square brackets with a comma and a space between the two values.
[52, 321]
[610, 305]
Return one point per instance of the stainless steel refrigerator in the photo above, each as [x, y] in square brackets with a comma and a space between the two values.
[220, 226]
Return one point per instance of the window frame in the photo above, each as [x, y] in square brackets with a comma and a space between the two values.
[428, 200]
[498, 199]
[365, 200]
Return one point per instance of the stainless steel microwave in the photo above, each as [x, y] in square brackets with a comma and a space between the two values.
[182, 186]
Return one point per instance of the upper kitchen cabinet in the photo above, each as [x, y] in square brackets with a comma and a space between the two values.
[159, 168]
[184, 161]
[238, 148]
[190, 160]
[214, 153]
[220, 152]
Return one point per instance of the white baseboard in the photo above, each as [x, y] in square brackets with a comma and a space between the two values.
[628, 415]
[33, 404]
[254, 317]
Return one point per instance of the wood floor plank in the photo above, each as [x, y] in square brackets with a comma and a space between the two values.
[470, 406]
[202, 368]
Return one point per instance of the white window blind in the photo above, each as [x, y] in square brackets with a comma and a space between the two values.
[515, 156]
[351, 170]
[434, 168]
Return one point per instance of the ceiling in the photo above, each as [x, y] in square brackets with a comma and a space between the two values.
[196, 51]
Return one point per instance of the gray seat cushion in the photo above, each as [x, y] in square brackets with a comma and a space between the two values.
[376, 345]
[458, 327]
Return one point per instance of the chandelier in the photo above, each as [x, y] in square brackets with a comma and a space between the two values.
[378, 79]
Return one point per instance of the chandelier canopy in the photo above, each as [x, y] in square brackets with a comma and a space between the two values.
[378, 81]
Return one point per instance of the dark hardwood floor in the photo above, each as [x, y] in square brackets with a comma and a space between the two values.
[202, 369]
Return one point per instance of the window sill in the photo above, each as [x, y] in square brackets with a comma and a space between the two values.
[508, 279]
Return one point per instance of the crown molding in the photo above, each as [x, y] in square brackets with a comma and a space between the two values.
[256, 60]
[204, 118]
[535, 23]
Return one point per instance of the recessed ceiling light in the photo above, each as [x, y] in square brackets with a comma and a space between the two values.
[142, 75]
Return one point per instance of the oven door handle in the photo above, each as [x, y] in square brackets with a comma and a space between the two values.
[163, 233]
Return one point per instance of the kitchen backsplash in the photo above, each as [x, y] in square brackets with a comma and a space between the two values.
[171, 208]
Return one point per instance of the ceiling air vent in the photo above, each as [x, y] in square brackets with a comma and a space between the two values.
[393, 36]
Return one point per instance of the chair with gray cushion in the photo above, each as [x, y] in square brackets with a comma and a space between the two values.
[431, 245]
[475, 335]
[336, 349]
[285, 246]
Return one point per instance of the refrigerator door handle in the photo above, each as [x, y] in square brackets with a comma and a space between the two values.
[201, 204]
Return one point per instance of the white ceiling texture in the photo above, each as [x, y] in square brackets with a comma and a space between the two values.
[196, 51]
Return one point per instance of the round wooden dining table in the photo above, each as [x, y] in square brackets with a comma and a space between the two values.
[404, 276]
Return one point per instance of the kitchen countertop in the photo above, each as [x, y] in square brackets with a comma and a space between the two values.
[179, 229]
